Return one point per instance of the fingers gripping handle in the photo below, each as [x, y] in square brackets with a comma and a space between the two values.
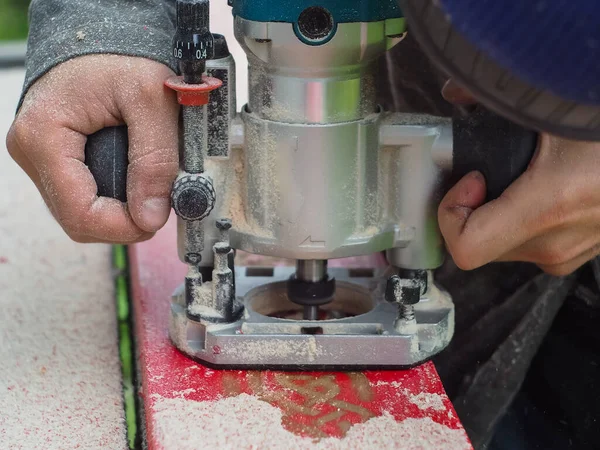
[500, 149]
[106, 157]
[106, 150]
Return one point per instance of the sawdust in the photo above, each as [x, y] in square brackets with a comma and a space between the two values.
[426, 400]
[415, 119]
[262, 101]
[280, 112]
[262, 179]
[250, 189]
[184, 392]
[439, 335]
[257, 351]
[256, 76]
[236, 191]
[204, 296]
[246, 422]
[367, 232]
[395, 384]
[368, 93]
[60, 377]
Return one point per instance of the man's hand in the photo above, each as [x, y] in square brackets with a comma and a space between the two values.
[549, 216]
[78, 98]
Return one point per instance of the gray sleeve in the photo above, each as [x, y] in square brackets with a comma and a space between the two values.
[60, 30]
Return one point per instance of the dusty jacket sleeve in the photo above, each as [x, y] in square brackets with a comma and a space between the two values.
[63, 29]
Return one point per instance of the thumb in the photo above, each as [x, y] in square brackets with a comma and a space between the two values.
[459, 203]
[476, 233]
[152, 122]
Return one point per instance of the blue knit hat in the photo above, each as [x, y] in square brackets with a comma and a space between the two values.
[553, 44]
[535, 62]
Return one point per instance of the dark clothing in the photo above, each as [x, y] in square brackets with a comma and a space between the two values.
[511, 366]
[60, 30]
[503, 311]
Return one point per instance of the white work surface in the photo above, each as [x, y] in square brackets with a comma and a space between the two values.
[60, 375]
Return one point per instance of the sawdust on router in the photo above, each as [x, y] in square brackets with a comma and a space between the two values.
[245, 421]
[234, 204]
[201, 306]
[281, 348]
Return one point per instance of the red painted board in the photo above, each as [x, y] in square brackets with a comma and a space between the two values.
[189, 406]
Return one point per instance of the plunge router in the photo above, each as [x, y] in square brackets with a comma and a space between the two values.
[311, 169]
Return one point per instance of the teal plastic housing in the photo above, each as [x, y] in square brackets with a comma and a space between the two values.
[343, 11]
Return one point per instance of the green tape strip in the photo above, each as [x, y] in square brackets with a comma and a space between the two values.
[125, 341]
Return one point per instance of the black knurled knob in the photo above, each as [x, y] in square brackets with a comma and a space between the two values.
[193, 197]
[192, 15]
[403, 291]
[193, 42]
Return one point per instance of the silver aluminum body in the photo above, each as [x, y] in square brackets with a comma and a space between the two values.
[313, 170]
[368, 339]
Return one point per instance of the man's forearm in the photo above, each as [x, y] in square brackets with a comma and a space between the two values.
[64, 29]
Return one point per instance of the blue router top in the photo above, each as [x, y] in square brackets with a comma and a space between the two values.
[343, 11]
